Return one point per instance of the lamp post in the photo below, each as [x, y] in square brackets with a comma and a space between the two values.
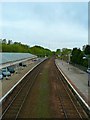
[88, 72]
[69, 57]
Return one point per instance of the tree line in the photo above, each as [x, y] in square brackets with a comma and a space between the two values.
[81, 57]
[22, 48]
[74, 56]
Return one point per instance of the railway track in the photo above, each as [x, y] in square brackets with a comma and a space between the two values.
[18, 97]
[69, 107]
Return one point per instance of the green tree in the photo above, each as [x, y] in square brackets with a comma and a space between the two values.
[19, 47]
[65, 54]
[77, 56]
[87, 50]
[58, 52]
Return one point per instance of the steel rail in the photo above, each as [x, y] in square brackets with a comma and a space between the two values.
[16, 96]
[87, 107]
[58, 75]
[19, 89]
[60, 96]
[27, 94]
[19, 82]
[25, 85]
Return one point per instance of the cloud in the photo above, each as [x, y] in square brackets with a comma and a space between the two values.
[52, 28]
[44, 0]
[55, 35]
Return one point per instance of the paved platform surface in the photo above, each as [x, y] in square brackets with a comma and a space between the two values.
[6, 85]
[77, 77]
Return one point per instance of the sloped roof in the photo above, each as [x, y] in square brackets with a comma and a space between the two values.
[12, 57]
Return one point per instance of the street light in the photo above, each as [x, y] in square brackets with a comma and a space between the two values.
[88, 72]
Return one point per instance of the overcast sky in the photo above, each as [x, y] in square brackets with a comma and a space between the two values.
[51, 25]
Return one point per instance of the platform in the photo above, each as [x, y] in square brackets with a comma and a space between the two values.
[77, 77]
[7, 84]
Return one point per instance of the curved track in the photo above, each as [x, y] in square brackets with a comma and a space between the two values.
[65, 105]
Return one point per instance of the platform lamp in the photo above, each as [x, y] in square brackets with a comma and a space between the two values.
[88, 72]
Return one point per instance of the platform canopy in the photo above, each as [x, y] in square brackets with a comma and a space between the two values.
[13, 57]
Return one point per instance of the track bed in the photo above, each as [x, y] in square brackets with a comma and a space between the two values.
[43, 94]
